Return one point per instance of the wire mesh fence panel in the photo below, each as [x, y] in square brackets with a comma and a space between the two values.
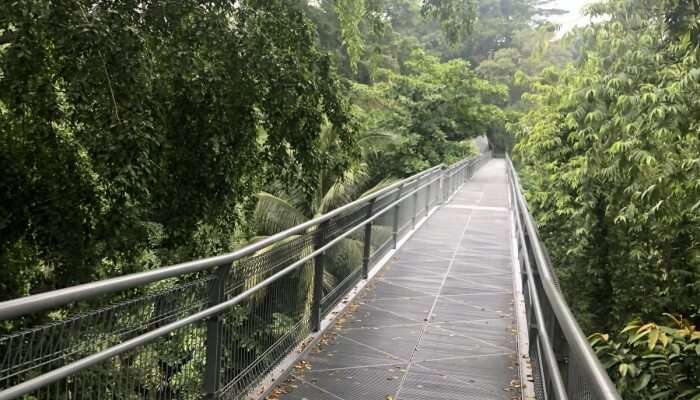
[562, 362]
[343, 261]
[454, 178]
[256, 334]
[186, 344]
[579, 385]
[420, 198]
[538, 378]
[343, 266]
[31, 352]
[406, 209]
[432, 192]
[342, 223]
[169, 368]
[381, 239]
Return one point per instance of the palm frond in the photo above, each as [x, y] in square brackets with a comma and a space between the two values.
[345, 189]
[252, 279]
[328, 136]
[379, 186]
[274, 214]
[380, 234]
[376, 140]
[329, 281]
[344, 257]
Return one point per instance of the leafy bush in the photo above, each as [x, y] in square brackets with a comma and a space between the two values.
[608, 151]
[651, 361]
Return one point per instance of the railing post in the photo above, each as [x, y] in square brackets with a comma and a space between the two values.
[415, 207]
[397, 209]
[448, 186]
[214, 327]
[445, 186]
[438, 187]
[317, 295]
[427, 195]
[368, 242]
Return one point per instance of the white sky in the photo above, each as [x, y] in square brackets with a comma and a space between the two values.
[575, 16]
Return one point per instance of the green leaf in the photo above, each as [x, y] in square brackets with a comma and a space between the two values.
[642, 382]
[653, 338]
[622, 369]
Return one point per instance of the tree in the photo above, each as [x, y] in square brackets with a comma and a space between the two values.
[133, 134]
[609, 153]
[433, 108]
[283, 208]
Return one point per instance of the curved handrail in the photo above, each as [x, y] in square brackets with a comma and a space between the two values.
[578, 346]
[55, 298]
[421, 182]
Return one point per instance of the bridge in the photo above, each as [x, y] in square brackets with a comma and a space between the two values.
[435, 287]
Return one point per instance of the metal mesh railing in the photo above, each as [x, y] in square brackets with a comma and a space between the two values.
[47, 346]
[564, 366]
[211, 328]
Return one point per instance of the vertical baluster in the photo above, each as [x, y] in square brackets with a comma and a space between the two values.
[415, 205]
[427, 195]
[367, 241]
[397, 209]
[214, 327]
[317, 296]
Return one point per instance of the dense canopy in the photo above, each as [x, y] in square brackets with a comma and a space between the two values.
[137, 134]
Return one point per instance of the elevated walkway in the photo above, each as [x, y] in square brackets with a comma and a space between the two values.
[437, 322]
[400, 294]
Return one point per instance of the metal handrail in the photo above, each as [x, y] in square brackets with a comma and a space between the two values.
[557, 382]
[31, 304]
[43, 301]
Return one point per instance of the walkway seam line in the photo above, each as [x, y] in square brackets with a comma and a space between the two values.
[432, 309]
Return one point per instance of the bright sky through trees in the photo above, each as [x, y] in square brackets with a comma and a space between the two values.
[573, 18]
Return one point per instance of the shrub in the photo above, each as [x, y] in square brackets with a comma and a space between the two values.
[651, 361]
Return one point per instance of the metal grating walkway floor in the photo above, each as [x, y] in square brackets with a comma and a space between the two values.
[437, 322]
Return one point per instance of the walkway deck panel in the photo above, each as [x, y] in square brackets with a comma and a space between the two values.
[437, 322]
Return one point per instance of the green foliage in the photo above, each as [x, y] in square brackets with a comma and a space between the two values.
[456, 16]
[609, 152]
[433, 108]
[532, 51]
[350, 15]
[135, 135]
[132, 131]
[491, 25]
[652, 361]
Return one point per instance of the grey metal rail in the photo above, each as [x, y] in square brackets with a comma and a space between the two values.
[211, 328]
[564, 364]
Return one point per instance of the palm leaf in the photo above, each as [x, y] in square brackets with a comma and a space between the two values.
[274, 214]
[329, 281]
[380, 234]
[257, 277]
[344, 257]
[379, 186]
[346, 188]
[375, 141]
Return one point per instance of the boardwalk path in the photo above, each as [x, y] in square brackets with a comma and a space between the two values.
[437, 322]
